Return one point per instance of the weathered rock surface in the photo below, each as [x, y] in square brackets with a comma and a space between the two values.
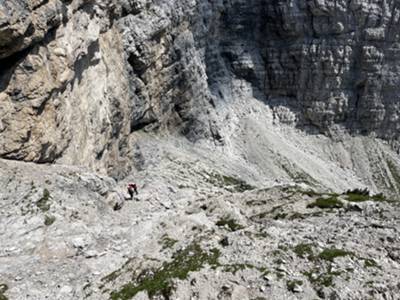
[76, 89]
[243, 122]
[337, 62]
[61, 238]
[78, 77]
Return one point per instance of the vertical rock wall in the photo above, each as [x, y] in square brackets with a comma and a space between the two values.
[79, 77]
[336, 62]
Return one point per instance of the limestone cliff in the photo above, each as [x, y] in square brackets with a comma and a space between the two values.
[79, 78]
[262, 136]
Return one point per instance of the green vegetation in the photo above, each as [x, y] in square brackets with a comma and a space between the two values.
[230, 223]
[111, 277]
[43, 203]
[33, 187]
[332, 201]
[234, 268]
[370, 263]
[260, 235]
[49, 220]
[304, 250]
[369, 283]
[331, 254]
[256, 202]
[284, 248]
[228, 182]
[167, 242]
[326, 203]
[280, 216]
[380, 197]
[278, 261]
[276, 253]
[291, 284]
[3, 289]
[358, 195]
[297, 215]
[320, 279]
[238, 184]
[191, 259]
[114, 275]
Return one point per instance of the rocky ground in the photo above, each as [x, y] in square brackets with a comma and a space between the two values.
[244, 124]
[195, 231]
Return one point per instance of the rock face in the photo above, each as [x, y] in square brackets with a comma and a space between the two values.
[79, 77]
[251, 127]
[62, 87]
[336, 62]
[84, 75]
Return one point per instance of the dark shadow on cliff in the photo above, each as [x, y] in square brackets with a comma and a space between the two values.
[8, 66]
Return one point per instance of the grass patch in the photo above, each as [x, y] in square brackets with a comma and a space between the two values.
[296, 215]
[230, 223]
[256, 202]
[291, 284]
[320, 279]
[114, 275]
[49, 220]
[238, 184]
[272, 211]
[380, 197]
[229, 183]
[3, 289]
[280, 216]
[304, 250]
[234, 268]
[370, 263]
[326, 203]
[191, 259]
[331, 254]
[310, 193]
[167, 242]
[324, 279]
[357, 195]
[43, 203]
[261, 235]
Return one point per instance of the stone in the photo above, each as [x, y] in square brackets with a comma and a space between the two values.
[252, 109]
[91, 253]
[225, 241]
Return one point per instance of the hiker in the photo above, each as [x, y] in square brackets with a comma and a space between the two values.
[132, 188]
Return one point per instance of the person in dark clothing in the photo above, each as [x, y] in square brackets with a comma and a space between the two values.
[132, 188]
